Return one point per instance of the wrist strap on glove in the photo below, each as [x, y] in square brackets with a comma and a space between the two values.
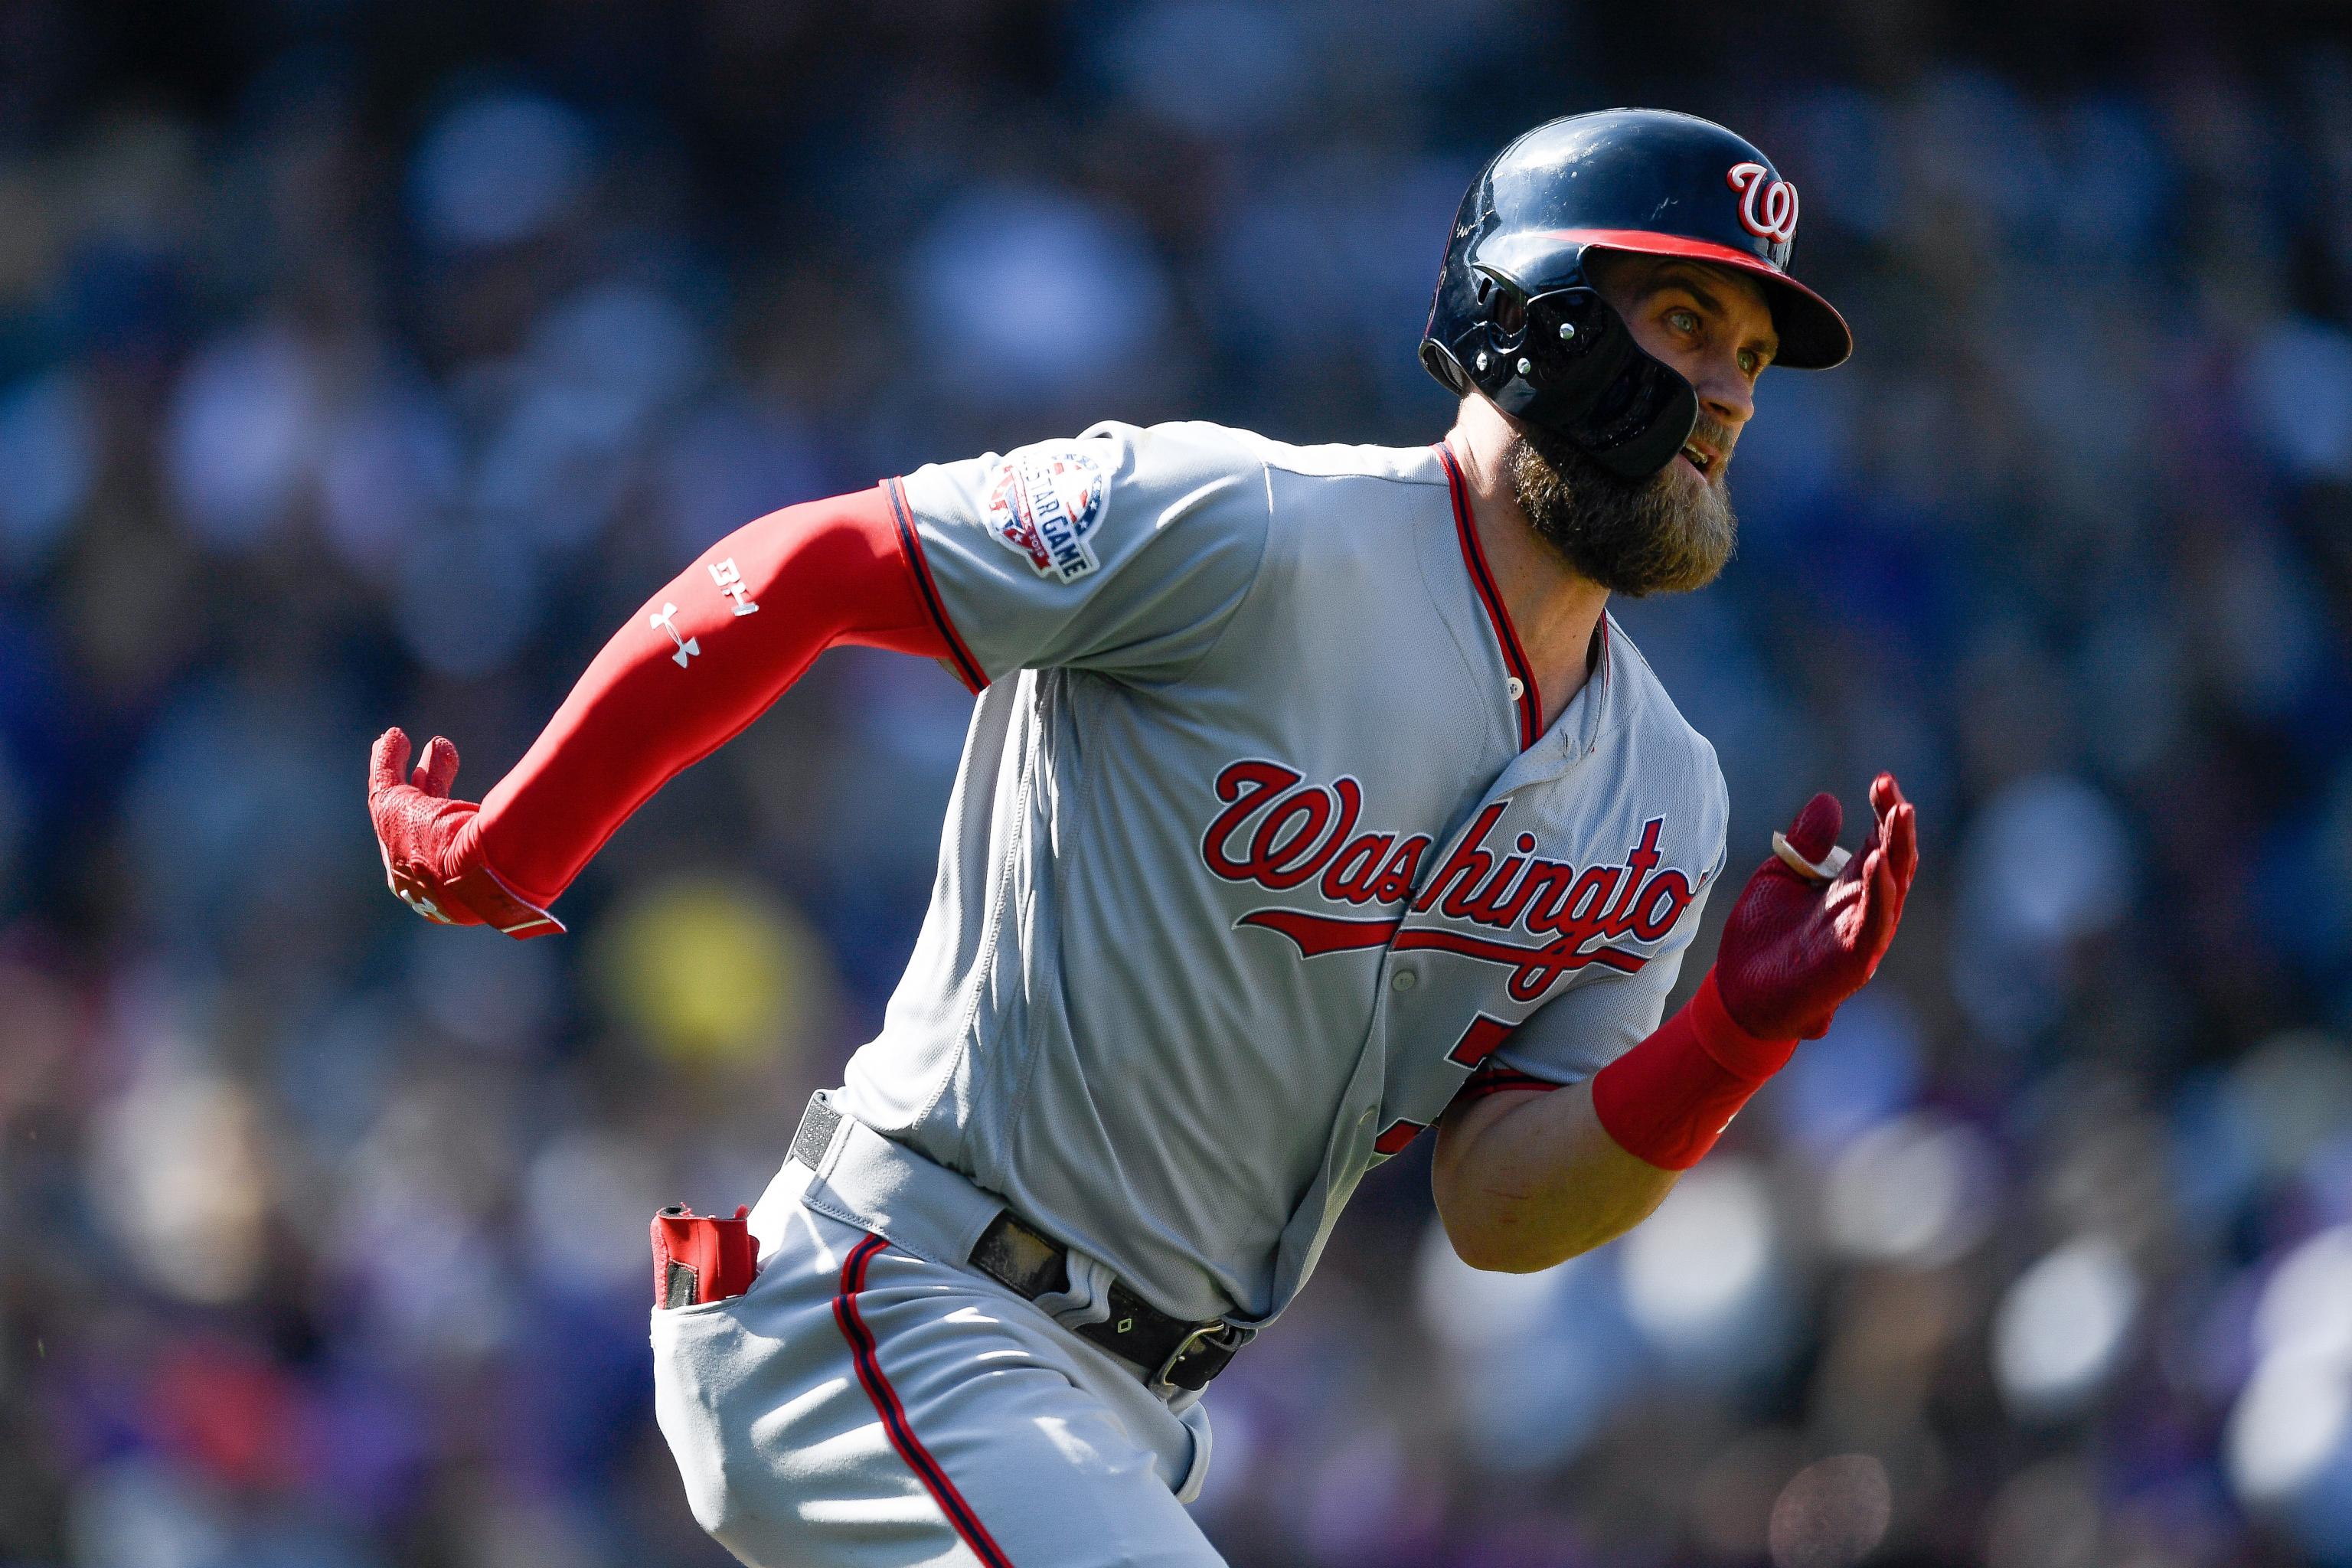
[1669, 1098]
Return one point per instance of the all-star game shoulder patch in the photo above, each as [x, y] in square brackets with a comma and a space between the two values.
[1046, 501]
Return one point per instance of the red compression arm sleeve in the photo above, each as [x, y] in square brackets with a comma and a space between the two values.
[696, 665]
[1669, 1098]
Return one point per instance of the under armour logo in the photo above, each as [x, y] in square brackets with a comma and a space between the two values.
[687, 647]
[422, 905]
[731, 582]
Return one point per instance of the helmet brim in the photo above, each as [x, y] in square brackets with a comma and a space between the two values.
[1813, 336]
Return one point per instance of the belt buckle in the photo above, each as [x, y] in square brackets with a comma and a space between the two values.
[1227, 1337]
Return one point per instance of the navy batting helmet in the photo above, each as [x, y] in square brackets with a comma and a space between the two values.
[1516, 316]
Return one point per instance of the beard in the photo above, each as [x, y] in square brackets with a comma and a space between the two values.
[1668, 533]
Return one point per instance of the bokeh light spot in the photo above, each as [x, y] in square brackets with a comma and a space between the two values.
[1697, 1271]
[2061, 1328]
[1918, 1190]
[1832, 1513]
[711, 971]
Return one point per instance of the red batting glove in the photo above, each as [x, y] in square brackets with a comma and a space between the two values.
[432, 845]
[1798, 944]
[1793, 948]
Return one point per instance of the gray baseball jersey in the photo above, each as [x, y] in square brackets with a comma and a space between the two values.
[1258, 854]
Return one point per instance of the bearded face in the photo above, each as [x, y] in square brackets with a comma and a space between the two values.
[1668, 533]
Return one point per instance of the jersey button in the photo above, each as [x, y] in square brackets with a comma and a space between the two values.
[1403, 980]
[1515, 686]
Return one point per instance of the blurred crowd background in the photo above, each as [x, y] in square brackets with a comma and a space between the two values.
[367, 362]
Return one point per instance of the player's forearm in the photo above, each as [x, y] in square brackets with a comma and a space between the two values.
[702, 659]
[1563, 1172]
[1524, 1180]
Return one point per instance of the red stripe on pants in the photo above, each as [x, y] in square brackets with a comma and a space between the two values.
[894, 1415]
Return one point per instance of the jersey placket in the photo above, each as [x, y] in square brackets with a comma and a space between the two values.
[1478, 1025]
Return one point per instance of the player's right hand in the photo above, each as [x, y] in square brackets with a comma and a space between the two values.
[432, 848]
[1793, 948]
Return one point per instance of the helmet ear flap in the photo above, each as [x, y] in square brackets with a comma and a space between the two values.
[1568, 363]
[1577, 370]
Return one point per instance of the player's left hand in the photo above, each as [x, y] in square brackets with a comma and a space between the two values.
[432, 854]
[1793, 948]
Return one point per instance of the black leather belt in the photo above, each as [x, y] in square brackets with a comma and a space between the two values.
[1180, 1354]
[1030, 1263]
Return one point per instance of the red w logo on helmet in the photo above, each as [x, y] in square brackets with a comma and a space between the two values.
[1768, 204]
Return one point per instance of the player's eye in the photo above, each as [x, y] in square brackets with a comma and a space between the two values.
[1750, 361]
[1683, 319]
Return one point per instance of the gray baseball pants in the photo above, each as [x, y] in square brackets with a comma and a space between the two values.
[867, 1407]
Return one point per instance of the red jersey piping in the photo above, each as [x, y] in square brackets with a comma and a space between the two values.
[911, 544]
[1499, 615]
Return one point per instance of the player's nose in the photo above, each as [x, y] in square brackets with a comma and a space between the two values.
[1727, 393]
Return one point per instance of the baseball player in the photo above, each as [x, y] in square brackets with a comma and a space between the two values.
[1311, 801]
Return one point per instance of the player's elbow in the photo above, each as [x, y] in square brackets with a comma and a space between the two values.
[1498, 1221]
[1499, 1242]
[1499, 1255]
[1492, 1237]
[1489, 1229]
[1472, 1183]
